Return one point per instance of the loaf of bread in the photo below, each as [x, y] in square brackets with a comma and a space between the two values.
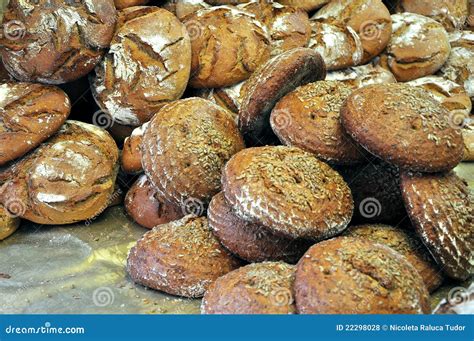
[307, 5]
[147, 66]
[121, 4]
[9, 221]
[131, 158]
[54, 41]
[228, 44]
[363, 75]
[29, 114]
[419, 46]
[67, 179]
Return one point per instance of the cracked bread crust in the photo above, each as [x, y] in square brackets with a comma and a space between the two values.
[29, 114]
[56, 41]
[289, 191]
[403, 125]
[441, 207]
[348, 275]
[185, 147]
[69, 178]
[407, 244]
[260, 288]
[180, 258]
[419, 46]
[147, 66]
[228, 44]
[249, 241]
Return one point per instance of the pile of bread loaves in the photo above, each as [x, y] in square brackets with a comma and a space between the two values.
[289, 156]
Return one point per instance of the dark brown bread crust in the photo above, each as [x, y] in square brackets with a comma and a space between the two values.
[228, 44]
[270, 83]
[55, 41]
[403, 125]
[308, 118]
[147, 66]
[131, 158]
[260, 288]
[29, 114]
[289, 191]
[353, 276]
[185, 148]
[376, 191]
[251, 242]
[144, 204]
[441, 208]
[180, 258]
[67, 179]
[407, 244]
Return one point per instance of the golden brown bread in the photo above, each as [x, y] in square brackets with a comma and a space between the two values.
[121, 4]
[9, 223]
[362, 75]
[69, 178]
[131, 158]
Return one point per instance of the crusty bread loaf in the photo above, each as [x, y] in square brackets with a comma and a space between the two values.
[419, 46]
[121, 4]
[468, 137]
[180, 258]
[147, 66]
[452, 14]
[54, 41]
[363, 75]
[29, 114]
[67, 179]
[289, 27]
[131, 158]
[307, 5]
[228, 44]
[370, 19]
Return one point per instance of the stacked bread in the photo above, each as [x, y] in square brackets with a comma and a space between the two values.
[287, 156]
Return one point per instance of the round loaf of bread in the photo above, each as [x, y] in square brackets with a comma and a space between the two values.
[376, 191]
[9, 223]
[289, 191]
[452, 14]
[269, 83]
[407, 244]
[121, 4]
[403, 125]
[468, 137]
[441, 207]
[450, 94]
[419, 46]
[53, 41]
[370, 19]
[460, 65]
[289, 27]
[261, 288]
[185, 148]
[147, 66]
[180, 258]
[340, 47]
[145, 206]
[363, 75]
[29, 114]
[69, 178]
[131, 158]
[228, 44]
[354, 276]
[249, 241]
[308, 118]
